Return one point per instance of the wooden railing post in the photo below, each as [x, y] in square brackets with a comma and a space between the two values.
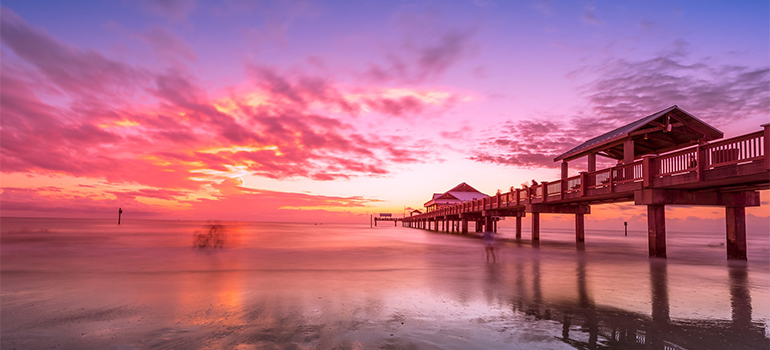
[700, 162]
[612, 180]
[518, 196]
[647, 172]
[544, 192]
[563, 188]
[766, 141]
[583, 183]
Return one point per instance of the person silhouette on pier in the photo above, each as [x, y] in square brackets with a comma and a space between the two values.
[489, 245]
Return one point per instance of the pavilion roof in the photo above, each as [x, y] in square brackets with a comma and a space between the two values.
[462, 193]
[663, 131]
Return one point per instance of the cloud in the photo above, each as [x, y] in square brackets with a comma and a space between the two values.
[436, 57]
[265, 205]
[282, 125]
[543, 6]
[230, 202]
[71, 70]
[627, 89]
[624, 90]
[171, 9]
[54, 202]
[528, 144]
[417, 62]
[167, 45]
[428, 48]
[589, 15]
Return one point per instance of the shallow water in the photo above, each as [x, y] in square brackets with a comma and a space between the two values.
[90, 284]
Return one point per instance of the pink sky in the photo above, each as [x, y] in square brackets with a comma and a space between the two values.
[330, 111]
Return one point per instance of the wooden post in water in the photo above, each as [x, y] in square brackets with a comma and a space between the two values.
[736, 232]
[518, 227]
[535, 227]
[120, 212]
[580, 228]
[656, 227]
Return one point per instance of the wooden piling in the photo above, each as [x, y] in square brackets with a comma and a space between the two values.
[580, 228]
[535, 227]
[735, 218]
[656, 227]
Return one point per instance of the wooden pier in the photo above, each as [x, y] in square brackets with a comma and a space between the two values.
[387, 218]
[667, 158]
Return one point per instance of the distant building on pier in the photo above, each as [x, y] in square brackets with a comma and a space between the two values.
[459, 194]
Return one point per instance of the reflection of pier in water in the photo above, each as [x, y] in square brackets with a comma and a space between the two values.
[588, 326]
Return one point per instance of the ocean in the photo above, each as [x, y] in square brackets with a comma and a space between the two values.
[91, 284]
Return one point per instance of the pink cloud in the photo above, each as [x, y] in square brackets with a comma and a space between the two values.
[82, 72]
[42, 202]
[530, 144]
[302, 129]
[232, 203]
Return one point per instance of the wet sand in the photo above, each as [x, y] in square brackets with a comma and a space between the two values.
[89, 284]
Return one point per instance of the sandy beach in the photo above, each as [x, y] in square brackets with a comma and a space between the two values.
[90, 284]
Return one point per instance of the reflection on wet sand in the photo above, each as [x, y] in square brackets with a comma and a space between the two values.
[612, 328]
[381, 289]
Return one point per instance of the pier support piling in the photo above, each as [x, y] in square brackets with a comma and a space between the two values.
[580, 228]
[656, 227]
[518, 227]
[535, 227]
[735, 218]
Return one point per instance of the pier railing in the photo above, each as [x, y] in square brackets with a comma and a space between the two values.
[687, 164]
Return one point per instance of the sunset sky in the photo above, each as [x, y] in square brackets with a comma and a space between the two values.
[333, 110]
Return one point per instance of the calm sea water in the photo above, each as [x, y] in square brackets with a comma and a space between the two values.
[91, 284]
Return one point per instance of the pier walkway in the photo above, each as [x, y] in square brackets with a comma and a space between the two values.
[668, 158]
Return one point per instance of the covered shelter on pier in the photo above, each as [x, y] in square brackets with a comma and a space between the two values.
[458, 194]
[666, 130]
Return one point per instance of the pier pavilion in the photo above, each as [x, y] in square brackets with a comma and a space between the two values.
[667, 158]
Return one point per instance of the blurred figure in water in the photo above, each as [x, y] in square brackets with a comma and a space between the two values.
[215, 237]
[489, 245]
